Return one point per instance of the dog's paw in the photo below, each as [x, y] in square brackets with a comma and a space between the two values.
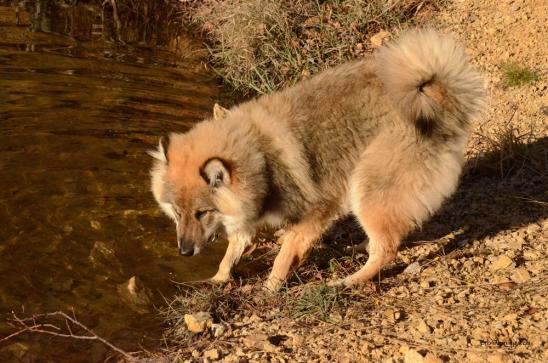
[337, 283]
[220, 278]
[272, 285]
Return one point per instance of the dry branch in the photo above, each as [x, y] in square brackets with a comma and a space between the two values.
[33, 325]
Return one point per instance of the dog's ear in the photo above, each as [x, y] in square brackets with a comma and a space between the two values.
[219, 112]
[216, 172]
[161, 152]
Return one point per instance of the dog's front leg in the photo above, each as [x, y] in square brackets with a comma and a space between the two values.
[236, 247]
[297, 243]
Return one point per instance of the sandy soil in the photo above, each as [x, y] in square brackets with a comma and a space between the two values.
[472, 285]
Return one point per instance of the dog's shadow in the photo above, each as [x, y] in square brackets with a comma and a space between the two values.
[499, 191]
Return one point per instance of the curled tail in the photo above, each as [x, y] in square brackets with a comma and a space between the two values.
[429, 79]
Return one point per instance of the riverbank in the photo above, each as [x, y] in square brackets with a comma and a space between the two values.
[470, 286]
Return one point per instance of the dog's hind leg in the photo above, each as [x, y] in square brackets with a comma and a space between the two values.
[297, 242]
[236, 247]
[385, 231]
[394, 188]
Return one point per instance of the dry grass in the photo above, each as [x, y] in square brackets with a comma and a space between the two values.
[509, 150]
[258, 46]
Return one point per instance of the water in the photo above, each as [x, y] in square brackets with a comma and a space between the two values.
[78, 110]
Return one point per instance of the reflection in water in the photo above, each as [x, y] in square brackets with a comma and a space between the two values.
[77, 113]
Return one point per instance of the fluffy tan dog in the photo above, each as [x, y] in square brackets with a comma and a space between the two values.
[382, 138]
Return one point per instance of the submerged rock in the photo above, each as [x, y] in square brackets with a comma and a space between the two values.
[102, 256]
[136, 294]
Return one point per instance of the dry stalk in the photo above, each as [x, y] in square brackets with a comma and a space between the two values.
[33, 325]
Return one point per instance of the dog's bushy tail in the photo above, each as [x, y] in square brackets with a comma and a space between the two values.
[428, 77]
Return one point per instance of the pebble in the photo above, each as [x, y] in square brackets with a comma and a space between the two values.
[218, 330]
[501, 263]
[520, 275]
[432, 358]
[412, 356]
[423, 327]
[212, 354]
[378, 39]
[198, 322]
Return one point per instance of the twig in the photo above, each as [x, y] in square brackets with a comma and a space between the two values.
[31, 325]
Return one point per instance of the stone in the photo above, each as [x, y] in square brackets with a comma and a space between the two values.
[260, 342]
[136, 294]
[432, 358]
[474, 358]
[212, 354]
[520, 275]
[218, 330]
[423, 327]
[103, 255]
[498, 358]
[198, 322]
[412, 269]
[404, 349]
[412, 356]
[378, 39]
[501, 263]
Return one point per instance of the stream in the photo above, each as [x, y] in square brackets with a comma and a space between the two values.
[85, 91]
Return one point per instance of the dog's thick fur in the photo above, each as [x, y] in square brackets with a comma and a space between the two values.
[382, 138]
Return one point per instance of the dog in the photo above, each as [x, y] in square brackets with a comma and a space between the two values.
[382, 138]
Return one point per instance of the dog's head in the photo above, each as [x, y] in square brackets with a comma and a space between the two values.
[196, 180]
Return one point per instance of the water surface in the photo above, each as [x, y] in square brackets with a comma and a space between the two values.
[81, 100]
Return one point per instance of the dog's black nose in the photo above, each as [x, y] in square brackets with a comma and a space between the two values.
[186, 251]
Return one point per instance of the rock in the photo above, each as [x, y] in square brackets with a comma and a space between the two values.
[393, 315]
[18, 350]
[260, 342]
[412, 269]
[218, 330]
[103, 255]
[498, 358]
[432, 358]
[520, 275]
[474, 358]
[412, 356]
[212, 354]
[404, 349]
[135, 294]
[423, 327]
[231, 358]
[501, 263]
[297, 341]
[378, 39]
[198, 322]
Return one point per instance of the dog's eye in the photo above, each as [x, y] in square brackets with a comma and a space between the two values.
[202, 213]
